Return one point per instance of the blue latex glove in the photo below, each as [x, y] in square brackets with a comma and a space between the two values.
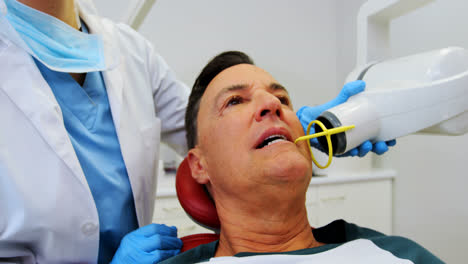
[306, 114]
[149, 244]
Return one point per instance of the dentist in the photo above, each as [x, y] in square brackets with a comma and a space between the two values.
[84, 104]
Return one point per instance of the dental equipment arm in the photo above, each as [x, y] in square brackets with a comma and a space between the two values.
[137, 12]
[424, 93]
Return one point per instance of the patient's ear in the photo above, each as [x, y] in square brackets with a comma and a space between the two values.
[198, 166]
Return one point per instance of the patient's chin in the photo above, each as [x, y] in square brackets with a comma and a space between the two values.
[289, 167]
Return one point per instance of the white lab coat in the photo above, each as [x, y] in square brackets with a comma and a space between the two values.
[47, 212]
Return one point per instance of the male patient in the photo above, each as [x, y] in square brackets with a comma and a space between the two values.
[240, 128]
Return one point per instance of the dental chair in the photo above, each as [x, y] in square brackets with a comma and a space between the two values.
[198, 205]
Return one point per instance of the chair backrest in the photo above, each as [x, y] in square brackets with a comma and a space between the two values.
[198, 205]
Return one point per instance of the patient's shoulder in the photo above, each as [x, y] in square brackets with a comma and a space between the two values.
[194, 255]
[340, 231]
[405, 248]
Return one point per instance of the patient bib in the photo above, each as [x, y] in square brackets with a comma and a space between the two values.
[360, 251]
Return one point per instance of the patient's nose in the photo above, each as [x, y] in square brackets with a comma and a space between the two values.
[269, 106]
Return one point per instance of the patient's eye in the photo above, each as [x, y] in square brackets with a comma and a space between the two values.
[235, 100]
[284, 100]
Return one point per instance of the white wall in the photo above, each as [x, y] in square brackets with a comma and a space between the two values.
[114, 9]
[296, 42]
[430, 198]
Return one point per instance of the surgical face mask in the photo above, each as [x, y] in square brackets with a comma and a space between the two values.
[54, 43]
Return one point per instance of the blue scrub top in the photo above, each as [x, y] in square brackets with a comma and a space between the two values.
[88, 121]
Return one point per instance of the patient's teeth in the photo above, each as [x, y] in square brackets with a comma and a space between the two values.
[271, 140]
[274, 141]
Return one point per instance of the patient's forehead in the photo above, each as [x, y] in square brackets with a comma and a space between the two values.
[241, 74]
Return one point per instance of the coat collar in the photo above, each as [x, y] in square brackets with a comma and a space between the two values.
[26, 88]
[112, 55]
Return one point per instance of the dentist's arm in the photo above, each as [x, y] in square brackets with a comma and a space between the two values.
[149, 244]
[306, 114]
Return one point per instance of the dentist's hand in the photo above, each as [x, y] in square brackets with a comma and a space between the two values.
[306, 114]
[149, 244]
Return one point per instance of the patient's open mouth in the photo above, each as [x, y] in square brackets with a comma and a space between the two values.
[272, 140]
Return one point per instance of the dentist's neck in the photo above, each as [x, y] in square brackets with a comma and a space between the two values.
[61, 9]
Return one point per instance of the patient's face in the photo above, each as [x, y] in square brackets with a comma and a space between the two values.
[246, 129]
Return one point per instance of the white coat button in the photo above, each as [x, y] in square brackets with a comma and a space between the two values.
[89, 229]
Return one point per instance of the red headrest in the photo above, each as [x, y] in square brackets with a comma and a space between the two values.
[194, 198]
